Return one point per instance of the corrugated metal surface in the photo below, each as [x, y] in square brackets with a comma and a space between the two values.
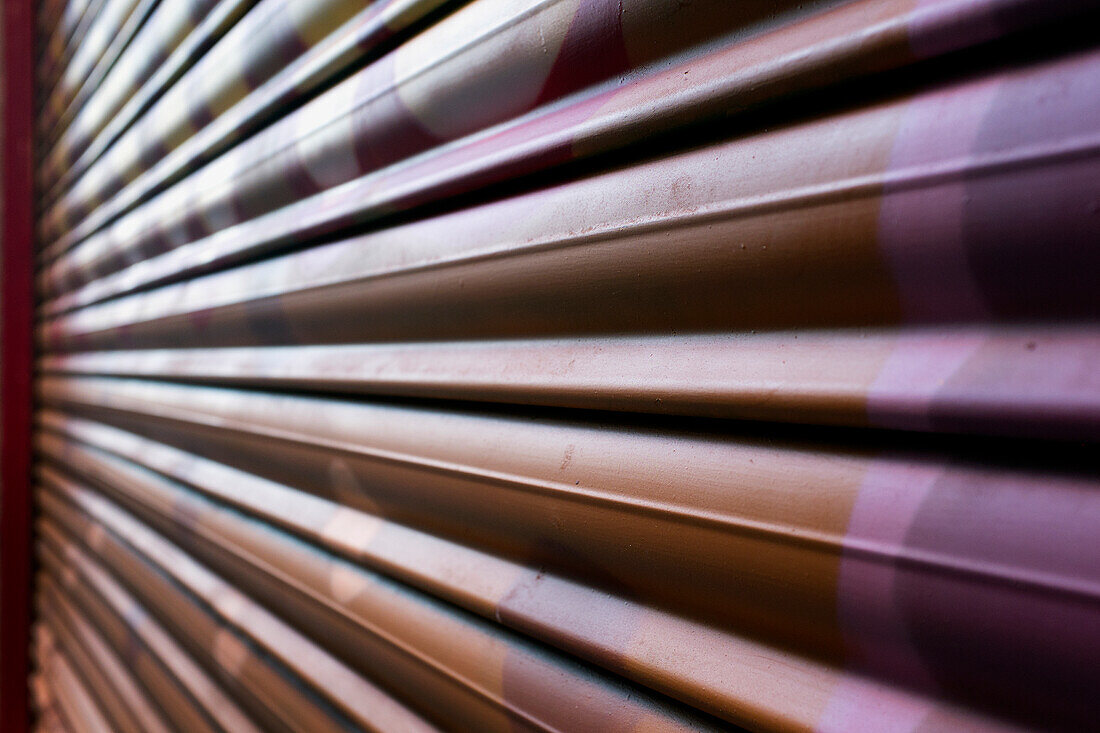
[568, 365]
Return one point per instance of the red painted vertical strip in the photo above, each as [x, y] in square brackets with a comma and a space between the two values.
[16, 313]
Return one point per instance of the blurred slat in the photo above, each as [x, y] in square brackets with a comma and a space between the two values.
[232, 117]
[156, 41]
[76, 704]
[108, 34]
[175, 40]
[265, 661]
[539, 599]
[193, 700]
[63, 43]
[110, 57]
[103, 668]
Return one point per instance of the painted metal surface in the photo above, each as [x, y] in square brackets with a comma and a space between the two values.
[156, 41]
[570, 365]
[301, 59]
[844, 193]
[488, 62]
[966, 379]
[590, 125]
[111, 28]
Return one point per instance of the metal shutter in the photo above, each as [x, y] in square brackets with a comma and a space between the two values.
[576, 365]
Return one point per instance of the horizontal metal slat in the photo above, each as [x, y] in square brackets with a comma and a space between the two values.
[193, 28]
[193, 699]
[1008, 381]
[447, 652]
[228, 615]
[97, 49]
[60, 48]
[821, 224]
[312, 163]
[76, 703]
[687, 660]
[156, 41]
[498, 52]
[269, 36]
[774, 530]
[376, 24]
[114, 709]
[103, 66]
[101, 665]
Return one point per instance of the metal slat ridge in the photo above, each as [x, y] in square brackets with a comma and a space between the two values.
[778, 517]
[385, 113]
[846, 193]
[167, 27]
[322, 57]
[509, 57]
[965, 379]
